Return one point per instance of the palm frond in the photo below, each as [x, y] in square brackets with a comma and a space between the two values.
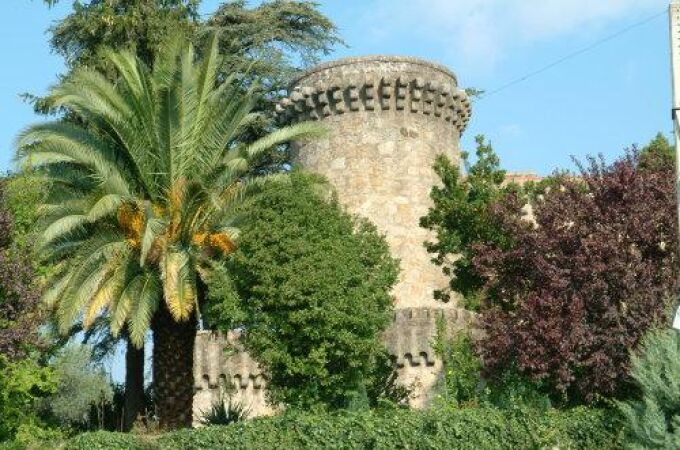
[300, 131]
[62, 227]
[179, 284]
[146, 305]
[105, 206]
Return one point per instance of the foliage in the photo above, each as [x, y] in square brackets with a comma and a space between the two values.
[303, 271]
[19, 292]
[511, 389]
[24, 192]
[106, 440]
[579, 287]
[81, 385]
[23, 386]
[468, 428]
[121, 212]
[653, 421]
[461, 216]
[274, 35]
[225, 411]
[120, 25]
[659, 153]
[460, 384]
[273, 38]
[270, 39]
[142, 199]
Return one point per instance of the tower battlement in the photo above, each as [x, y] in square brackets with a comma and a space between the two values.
[377, 83]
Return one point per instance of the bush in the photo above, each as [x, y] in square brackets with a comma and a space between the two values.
[23, 386]
[578, 289]
[461, 379]
[470, 428]
[106, 440]
[19, 288]
[653, 422]
[311, 286]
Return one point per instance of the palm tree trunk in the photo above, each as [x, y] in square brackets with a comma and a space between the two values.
[134, 385]
[173, 369]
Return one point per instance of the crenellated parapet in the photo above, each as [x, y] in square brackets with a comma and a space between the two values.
[410, 339]
[222, 366]
[317, 98]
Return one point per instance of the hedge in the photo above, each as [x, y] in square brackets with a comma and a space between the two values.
[471, 428]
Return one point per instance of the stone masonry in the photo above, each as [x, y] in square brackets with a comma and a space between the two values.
[388, 118]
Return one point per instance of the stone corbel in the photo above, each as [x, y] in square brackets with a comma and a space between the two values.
[417, 94]
[338, 99]
[385, 93]
[369, 94]
[401, 91]
[354, 97]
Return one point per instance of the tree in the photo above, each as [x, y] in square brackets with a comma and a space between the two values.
[275, 38]
[24, 384]
[461, 216]
[120, 25]
[271, 40]
[264, 44]
[653, 419]
[659, 153]
[142, 200]
[577, 289]
[310, 285]
[81, 385]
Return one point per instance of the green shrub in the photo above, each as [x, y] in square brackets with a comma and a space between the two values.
[311, 285]
[462, 385]
[106, 440]
[468, 428]
[461, 380]
[653, 422]
[23, 386]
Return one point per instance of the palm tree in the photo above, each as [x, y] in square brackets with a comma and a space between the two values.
[144, 200]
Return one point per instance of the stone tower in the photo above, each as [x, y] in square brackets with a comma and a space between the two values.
[388, 118]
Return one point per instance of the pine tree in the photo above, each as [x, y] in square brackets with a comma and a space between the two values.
[653, 420]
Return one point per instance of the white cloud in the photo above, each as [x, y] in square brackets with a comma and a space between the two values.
[479, 32]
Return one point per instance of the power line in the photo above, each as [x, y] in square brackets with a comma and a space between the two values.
[571, 55]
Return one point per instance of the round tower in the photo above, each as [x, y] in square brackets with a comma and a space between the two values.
[388, 118]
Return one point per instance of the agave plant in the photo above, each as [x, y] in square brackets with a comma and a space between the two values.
[144, 193]
[225, 411]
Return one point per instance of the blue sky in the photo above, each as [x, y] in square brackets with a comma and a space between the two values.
[603, 101]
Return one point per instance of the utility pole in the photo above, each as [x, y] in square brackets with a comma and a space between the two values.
[674, 18]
